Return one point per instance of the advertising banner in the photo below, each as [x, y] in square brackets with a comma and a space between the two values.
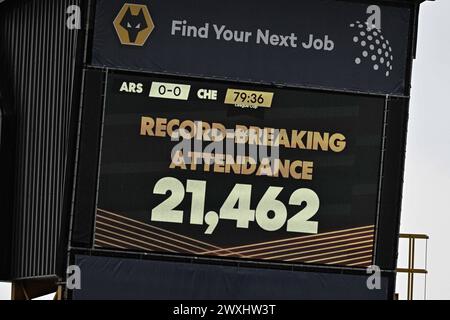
[115, 278]
[340, 45]
[242, 171]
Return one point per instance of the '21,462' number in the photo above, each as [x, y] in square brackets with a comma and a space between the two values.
[236, 207]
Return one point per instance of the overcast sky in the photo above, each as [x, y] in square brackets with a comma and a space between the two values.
[427, 178]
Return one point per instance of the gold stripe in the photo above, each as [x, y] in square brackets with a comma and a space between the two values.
[115, 227]
[108, 244]
[328, 253]
[357, 258]
[363, 263]
[148, 225]
[350, 237]
[315, 245]
[340, 256]
[290, 239]
[321, 251]
[136, 245]
[126, 243]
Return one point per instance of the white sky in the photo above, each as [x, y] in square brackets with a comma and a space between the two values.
[427, 176]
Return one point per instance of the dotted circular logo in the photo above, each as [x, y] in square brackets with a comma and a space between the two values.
[375, 48]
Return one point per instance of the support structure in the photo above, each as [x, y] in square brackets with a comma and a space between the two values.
[411, 270]
[34, 288]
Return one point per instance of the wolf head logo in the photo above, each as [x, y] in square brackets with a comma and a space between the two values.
[133, 24]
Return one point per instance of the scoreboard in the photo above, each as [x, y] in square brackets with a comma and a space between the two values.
[238, 171]
[209, 142]
[252, 172]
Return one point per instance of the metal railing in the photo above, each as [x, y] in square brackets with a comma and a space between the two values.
[411, 270]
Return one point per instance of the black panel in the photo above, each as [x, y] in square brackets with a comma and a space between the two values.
[38, 53]
[392, 183]
[118, 278]
[132, 164]
[86, 187]
[7, 148]
[345, 181]
[345, 55]
[73, 130]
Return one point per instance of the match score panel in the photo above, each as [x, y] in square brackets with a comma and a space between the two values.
[178, 91]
